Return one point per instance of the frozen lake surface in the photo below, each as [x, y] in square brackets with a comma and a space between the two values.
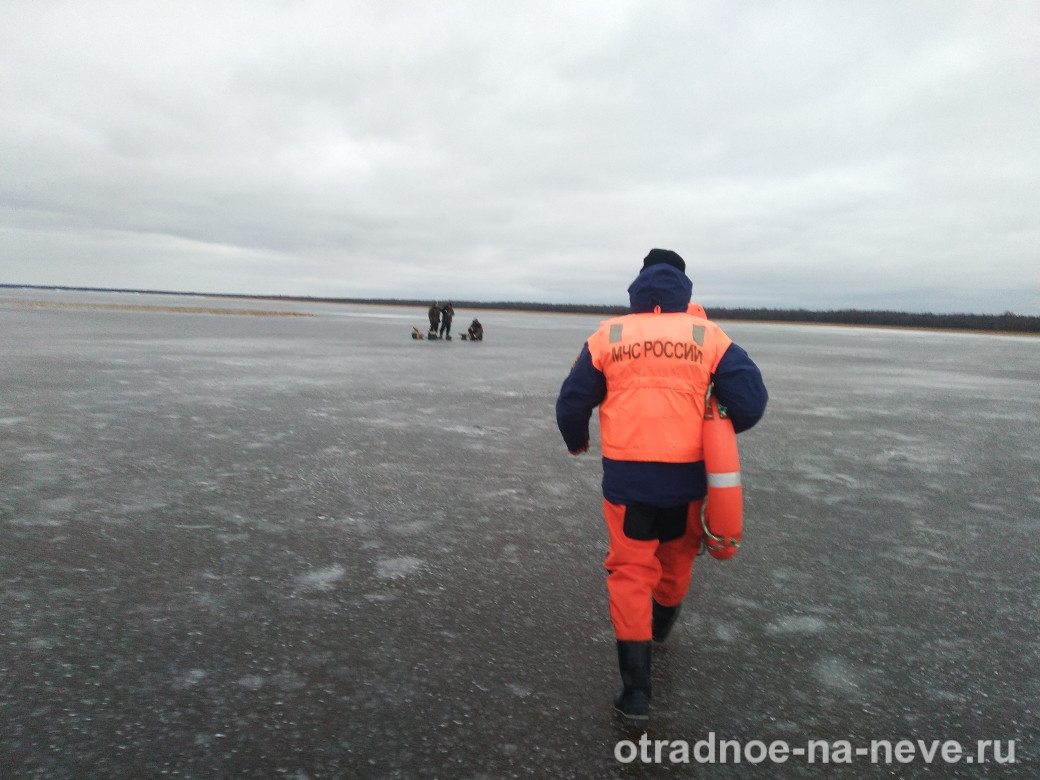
[308, 547]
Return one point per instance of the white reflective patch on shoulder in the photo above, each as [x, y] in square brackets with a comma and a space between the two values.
[698, 335]
[615, 333]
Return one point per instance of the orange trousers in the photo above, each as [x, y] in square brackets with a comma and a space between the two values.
[640, 565]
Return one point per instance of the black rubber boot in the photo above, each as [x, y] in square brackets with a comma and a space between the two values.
[632, 701]
[664, 619]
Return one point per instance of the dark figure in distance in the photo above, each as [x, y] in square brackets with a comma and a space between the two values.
[447, 312]
[435, 318]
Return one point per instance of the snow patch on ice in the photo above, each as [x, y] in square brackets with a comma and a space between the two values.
[741, 603]
[726, 633]
[289, 681]
[189, 679]
[38, 457]
[395, 568]
[921, 557]
[36, 522]
[476, 430]
[835, 673]
[321, 579]
[413, 528]
[797, 624]
[253, 682]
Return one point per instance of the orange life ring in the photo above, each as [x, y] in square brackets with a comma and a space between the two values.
[722, 513]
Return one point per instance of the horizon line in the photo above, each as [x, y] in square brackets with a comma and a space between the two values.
[606, 307]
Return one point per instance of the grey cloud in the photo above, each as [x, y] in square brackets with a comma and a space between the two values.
[880, 155]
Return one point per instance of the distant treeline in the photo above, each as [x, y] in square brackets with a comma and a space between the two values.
[1008, 322]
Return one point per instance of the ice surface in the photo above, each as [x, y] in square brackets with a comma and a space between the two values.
[311, 546]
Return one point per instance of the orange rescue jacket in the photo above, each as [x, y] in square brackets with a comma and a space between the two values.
[657, 367]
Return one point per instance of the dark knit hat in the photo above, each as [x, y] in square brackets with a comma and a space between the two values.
[664, 256]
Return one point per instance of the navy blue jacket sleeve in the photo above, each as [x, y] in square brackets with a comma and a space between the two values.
[582, 391]
[739, 387]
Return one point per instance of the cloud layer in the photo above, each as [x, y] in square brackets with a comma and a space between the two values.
[868, 154]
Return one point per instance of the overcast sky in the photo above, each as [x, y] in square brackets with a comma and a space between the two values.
[857, 153]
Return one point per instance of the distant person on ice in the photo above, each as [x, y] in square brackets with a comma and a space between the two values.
[475, 330]
[447, 312]
[435, 318]
[651, 410]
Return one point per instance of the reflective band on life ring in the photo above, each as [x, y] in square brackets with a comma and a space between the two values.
[725, 480]
[723, 511]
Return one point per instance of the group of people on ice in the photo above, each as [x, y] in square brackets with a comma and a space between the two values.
[442, 315]
[440, 325]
